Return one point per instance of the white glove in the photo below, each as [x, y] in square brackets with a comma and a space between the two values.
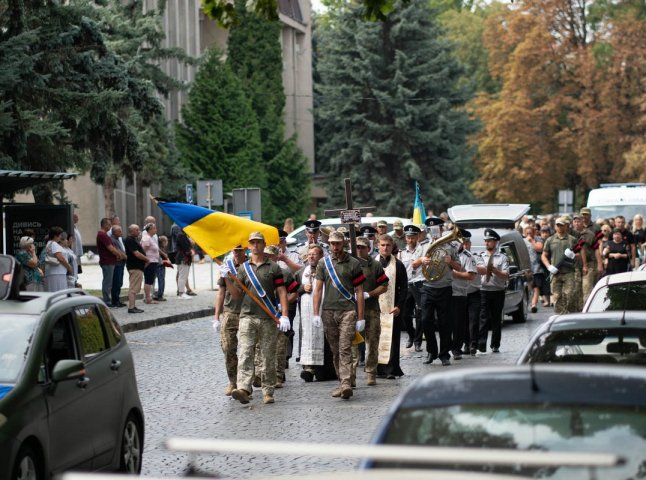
[569, 254]
[216, 325]
[366, 295]
[361, 324]
[224, 271]
[316, 321]
[284, 325]
[553, 270]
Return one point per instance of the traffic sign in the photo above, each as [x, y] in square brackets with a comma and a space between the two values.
[189, 193]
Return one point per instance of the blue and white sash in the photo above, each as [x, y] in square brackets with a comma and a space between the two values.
[231, 266]
[259, 290]
[335, 279]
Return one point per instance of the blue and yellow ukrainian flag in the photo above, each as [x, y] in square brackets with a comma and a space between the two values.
[215, 232]
[419, 212]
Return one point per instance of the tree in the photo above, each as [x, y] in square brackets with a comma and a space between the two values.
[255, 56]
[219, 136]
[391, 110]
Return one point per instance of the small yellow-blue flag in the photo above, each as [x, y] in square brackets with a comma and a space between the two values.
[419, 212]
[215, 232]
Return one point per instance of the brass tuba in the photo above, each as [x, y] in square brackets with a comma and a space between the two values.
[435, 270]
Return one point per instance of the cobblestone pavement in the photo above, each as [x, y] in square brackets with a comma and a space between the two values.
[181, 379]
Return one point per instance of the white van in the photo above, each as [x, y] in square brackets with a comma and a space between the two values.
[613, 199]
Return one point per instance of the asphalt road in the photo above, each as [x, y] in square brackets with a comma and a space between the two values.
[181, 379]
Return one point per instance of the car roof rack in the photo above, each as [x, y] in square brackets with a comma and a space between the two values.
[67, 293]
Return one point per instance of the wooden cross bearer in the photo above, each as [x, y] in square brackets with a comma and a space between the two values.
[350, 215]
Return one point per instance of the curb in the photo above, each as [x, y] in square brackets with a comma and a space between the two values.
[155, 322]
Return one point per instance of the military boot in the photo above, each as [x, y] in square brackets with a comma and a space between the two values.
[241, 395]
[230, 388]
[346, 393]
[372, 379]
[266, 398]
[337, 392]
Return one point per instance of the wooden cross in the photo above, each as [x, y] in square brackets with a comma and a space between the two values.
[350, 215]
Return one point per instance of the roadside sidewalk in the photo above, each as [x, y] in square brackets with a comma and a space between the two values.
[203, 281]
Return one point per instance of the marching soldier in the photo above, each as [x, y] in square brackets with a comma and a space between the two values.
[265, 279]
[558, 256]
[227, 318]
[494, 272]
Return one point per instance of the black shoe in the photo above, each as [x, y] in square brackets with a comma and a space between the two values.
[495, 349]
[457, 355]
[390, 377]
[473, 351]
[418, 348]
[307, 376]
[446, 362]
[429, 359]
[482, 347]
[121, 304]
[409, 344]
[191, 294]
[534, 309]
[135, 310]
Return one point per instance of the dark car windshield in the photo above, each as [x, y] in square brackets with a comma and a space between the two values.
[544, 427]
[590, 345]
[622, 296]
[17, 333]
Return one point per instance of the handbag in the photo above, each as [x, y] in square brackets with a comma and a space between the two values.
[50, 260]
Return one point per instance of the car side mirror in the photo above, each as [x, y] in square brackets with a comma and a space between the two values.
[68, 370]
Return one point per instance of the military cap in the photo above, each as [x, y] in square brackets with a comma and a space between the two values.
[363, 241]
[465, 233]
[398, 225]
[344, 231]
[368, 230]
[412, 230]
[382, 223]
[256, 236]
[562, 221]
[239, 247]
[585, 211]
[312, 225]
[433, 221]
[272, 250]
[491, 234]
[336, 237]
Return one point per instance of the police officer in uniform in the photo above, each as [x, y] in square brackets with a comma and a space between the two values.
[462, 279]
[473, 300]
[494, 273]
[312, 231]
[370, 233]
[436, 300]
[411, 257]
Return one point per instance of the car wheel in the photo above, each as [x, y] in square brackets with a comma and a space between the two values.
[131, 446]
[28, 465]
[520, 315]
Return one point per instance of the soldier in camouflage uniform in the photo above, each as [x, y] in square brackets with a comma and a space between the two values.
[376, 283]
[227, 317]
[259, 273]
[558, 256]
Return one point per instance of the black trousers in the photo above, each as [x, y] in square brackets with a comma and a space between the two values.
[436, 301]
[459, 322]
[413, 310]
[473, 310]
[491, 305]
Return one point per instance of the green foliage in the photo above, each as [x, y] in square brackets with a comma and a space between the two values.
[219, 136]
[390, 110]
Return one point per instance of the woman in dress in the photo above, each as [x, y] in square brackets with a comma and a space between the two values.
[30, 266]
[617, 254]
[56, 273]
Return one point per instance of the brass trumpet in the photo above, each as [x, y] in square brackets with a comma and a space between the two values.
[436, 269]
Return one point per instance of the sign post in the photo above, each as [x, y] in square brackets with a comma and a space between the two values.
[350, 215]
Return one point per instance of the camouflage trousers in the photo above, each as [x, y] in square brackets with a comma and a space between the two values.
[371, 336]
[578, 289]
[339, 327]
[229, 344]
[563, 292]
[254, 330]
[589, 280]
[281, 353]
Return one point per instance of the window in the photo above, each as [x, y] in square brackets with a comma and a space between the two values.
[60, 346]
[112, 328]
[92, 335]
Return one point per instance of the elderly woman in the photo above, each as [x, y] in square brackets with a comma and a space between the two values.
[29, 261]
[56, 272]
[640, 238]
[151, 249]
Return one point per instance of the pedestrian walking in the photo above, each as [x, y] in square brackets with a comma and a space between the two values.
[558, 256]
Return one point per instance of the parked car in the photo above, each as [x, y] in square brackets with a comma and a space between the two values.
[606, 337]
[526, 408]
[68, 394]
[621, 291]
[502, 218]
[298, 235]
